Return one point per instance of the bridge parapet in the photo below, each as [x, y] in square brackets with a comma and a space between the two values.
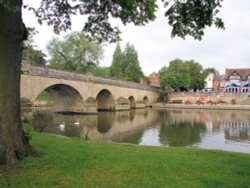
[67, 75]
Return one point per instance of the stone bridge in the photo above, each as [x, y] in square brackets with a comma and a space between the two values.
[74, 92]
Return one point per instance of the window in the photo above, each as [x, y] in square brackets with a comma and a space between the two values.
[234, 76]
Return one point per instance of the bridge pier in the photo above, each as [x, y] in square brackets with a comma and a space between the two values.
[140, 104]
[90, 105]
[122, 104]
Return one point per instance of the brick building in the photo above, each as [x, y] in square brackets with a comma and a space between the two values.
[154, 80]
[217, 79]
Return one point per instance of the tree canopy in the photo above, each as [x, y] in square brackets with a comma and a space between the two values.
[31, 54]
[125, 65]
[182, 75]
[116, 68]
[197, 77]
[57, 13]
[175, 76]
[189, 17]
[132, 67]
[75, 52]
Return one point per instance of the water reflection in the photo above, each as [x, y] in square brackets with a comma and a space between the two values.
[211, 129]
[105, 121]
[237, 130]
[42, 121]
[190, 133]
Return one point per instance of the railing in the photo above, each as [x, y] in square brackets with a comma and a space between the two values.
[68, 75]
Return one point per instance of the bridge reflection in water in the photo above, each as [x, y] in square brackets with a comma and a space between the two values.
[224, 130]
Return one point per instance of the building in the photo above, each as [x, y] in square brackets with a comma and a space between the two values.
[154, 80]
[217, 79]
[209, 81]
[236, 81]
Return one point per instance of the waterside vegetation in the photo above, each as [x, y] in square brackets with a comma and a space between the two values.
[70, 162]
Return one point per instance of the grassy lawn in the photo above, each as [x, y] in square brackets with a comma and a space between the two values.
[75, 163]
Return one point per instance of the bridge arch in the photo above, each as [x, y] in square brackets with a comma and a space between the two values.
[132, 103]
[65, 97]
[105, 100]
[146, 100]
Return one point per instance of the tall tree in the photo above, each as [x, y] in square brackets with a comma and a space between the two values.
[116, 69]
[57, 13]
[183, 75]
[197, 78]
[13, 143]
[131, 66]
[102, 71]
[98, 70]
[180, 71]
[74, 52]
[167, 79]
[210, 70]
[175, 76]
[31, 55]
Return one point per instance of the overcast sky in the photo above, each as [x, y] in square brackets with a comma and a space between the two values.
[229, 48]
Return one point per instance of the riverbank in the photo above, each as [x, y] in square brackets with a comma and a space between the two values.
[206, 106]
[75, 163]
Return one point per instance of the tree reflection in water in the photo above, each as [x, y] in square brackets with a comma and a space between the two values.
[181, 134]
[42, 120]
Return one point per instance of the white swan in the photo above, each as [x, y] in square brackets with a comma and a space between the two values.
[77, 123]
[62, 126]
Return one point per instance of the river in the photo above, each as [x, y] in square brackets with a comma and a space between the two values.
[210, 129]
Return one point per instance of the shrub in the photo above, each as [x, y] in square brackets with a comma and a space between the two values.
[26, 102]
[221, 102]
[188, 102]
[199, 103]
[233, 101]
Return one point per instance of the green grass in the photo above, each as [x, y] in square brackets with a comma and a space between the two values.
[44, 96]
[76, 163]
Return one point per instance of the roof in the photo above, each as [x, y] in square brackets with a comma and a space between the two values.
[243, 73]
[153, 74]
[218, 77]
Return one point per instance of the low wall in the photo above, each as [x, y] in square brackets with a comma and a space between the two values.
[203, 99]
[207, 94]
[193, 106]
[208, 97]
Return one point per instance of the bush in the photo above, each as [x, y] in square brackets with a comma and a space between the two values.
[188, 102]
[199, 103]
[233, 101]
[26, 102]
[211, 102]
[221, 102]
